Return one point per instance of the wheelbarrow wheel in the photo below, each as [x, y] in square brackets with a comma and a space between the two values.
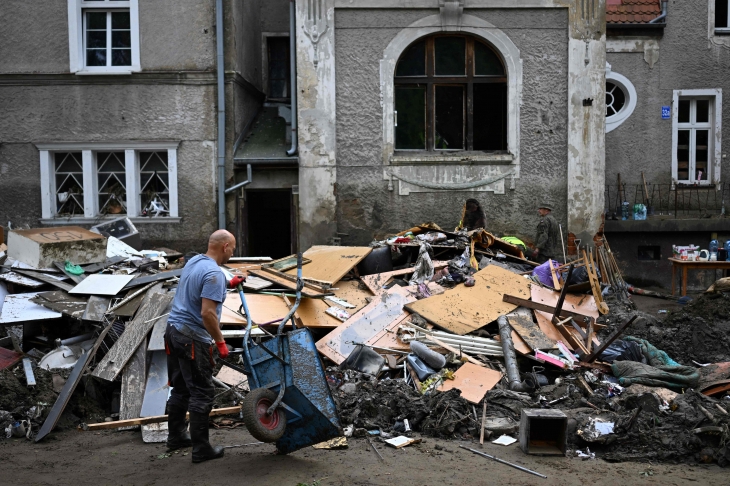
[266, 428]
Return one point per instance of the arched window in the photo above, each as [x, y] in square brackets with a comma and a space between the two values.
[450, 94]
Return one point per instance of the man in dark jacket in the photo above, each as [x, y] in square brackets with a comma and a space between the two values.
[547, 240]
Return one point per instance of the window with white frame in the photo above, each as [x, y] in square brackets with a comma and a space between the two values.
[620, 99]
[696, 139]
[107, 180]
[722, 17]
[103, 36]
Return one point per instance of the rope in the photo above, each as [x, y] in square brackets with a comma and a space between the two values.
[453, 186]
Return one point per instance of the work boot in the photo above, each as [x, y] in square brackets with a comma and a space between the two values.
[202, 450]
[177, 430]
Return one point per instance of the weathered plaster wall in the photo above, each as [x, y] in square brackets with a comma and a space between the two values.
[110, 112]
[366, 208]
[687, 60]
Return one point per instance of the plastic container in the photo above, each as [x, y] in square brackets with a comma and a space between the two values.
[639, 212]
[714, 245]
[625, 213]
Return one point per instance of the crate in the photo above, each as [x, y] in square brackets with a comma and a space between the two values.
[543, 432]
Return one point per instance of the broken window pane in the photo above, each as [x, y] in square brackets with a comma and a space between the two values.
[615, 98]
[413, 61]
[702, 138]
[683, 111]
[683, 155]
[449, 113]
[112, 182]
[721, 14]
[69, 175]
[154, 181]
[703, 111]
[487, 63]
[410, 105]
[490, 116]
[450, 56]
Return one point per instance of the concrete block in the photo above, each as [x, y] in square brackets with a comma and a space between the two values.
[40, 247]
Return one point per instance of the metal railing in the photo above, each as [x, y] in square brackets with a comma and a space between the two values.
[679, 201]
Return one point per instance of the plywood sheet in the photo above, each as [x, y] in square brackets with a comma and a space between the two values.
[373, 318]
[263, 308]
[311, 312]
[349, 291]
[331, 263]
[519, 344]
[473, 381]
[388, 337]
[544, 322]
[282, 282]
[376, 281]
[233, 378]
[580, 304]
[242, 268]
[530, 332]
[464, 309]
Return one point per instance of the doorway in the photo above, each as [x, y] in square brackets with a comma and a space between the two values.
[268, 227]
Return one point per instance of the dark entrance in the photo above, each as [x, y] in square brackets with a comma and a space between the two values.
[269, 223]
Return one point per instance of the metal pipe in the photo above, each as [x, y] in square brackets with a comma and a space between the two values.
[503, 461]
[221, 115]
[663, 15]
[293, 75]
[249, 174]
[510, 359]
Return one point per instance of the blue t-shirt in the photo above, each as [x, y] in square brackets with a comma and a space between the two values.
[201, 278]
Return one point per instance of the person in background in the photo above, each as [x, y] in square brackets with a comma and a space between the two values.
[472, 216]
[192, 335]
[547, 240]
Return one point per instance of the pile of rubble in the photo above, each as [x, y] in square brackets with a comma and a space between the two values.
[448, 334]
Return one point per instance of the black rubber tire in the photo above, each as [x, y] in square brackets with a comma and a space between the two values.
[253, 410]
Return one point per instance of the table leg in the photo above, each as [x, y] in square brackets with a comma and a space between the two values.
[674, 271]
[684, 281]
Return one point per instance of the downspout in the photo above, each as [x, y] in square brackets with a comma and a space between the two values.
[293, 74]
[510, 359]
[221, 115]
[663, 16]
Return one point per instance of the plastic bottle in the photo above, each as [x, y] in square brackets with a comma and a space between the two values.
[714, 245]
[625, 210]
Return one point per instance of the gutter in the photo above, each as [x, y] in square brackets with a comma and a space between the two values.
[293, 74]
[221, 115]
[663, 16]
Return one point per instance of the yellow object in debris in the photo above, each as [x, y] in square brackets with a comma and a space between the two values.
[448, 375]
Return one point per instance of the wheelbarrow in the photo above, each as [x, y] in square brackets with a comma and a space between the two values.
[290, 402]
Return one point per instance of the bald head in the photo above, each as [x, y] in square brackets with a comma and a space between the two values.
[221, 246]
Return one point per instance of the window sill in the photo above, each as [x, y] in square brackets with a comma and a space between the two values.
[464, 158]
[101, 219]
[84, 72]
[722, 31]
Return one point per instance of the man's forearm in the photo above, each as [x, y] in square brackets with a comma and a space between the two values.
[210, 321]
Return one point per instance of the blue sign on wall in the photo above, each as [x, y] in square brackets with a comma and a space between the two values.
[666, 112]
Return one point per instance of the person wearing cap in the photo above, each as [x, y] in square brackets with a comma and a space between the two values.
[547, 239]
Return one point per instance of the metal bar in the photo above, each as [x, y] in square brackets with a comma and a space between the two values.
[503, 461]
[606, 343]
[28, 368]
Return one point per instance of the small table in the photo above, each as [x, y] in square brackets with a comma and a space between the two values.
[685, 265]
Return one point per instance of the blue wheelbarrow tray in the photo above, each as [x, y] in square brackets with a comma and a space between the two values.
[311, 414]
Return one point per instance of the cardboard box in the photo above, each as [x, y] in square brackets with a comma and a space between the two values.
[41, 247]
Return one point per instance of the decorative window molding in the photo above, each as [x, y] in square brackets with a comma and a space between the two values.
[620, 99]
[89, 181]
[117, 46]
[718, 22]
[688, 136]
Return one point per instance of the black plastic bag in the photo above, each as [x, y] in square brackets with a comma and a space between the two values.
[621, 350]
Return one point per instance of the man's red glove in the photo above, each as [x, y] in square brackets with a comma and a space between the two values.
[222, 349]
[236, 281]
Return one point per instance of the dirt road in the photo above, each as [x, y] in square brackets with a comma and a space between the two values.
[121, 458]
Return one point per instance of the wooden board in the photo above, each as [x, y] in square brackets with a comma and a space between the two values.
[376, 281]
[580, 304]
[133, 384]
[136, 331]
[285, 284]
[242, 268]
[388, 337]
[465, 309]
[473, 381]
[349, 291]
[331, 263]
[233, 378]
[519, 344]
[530, 332]
[312, 313]
[544, 322]
[369, 321]
[263, 308]
[216, 412]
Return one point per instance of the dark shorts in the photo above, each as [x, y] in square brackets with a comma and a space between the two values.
[190, 366]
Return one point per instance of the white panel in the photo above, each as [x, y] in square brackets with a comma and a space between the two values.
[47, 192]
[131, 165]
[134, 32]
[19, 308]
[91, 198]
[172, 178]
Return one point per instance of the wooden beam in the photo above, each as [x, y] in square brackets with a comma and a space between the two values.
[547, 308]
[153, 420]
[595, 354]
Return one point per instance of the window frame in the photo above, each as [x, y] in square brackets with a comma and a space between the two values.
[90, 179]
[614, 121]
[265, 36]
[714, 152]
[77, 35]
[721, 30]
[431, 81]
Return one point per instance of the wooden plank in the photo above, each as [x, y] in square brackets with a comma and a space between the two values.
[157, 337]
[8, 358]
[216, 412]
[312, 313]
[530, 332]
[473, 381]
[370, 320]
[133, 384]
[156, 387]
[136, 331]
[331, 263]
[349, 290]
[465, 309]
[556, 281]
[519, 344]
[68, 388]
[376, 281]
[263, 308]
[286, 284]
[286, 263]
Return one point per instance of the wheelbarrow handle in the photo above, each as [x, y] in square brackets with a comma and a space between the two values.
[300, 285]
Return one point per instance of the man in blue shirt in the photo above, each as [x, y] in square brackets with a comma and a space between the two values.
[192, 329]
